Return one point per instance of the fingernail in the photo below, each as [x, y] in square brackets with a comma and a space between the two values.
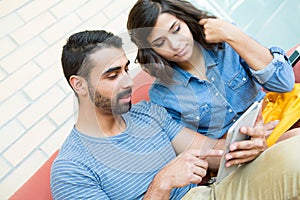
[233, 147]
[243, 129]
[228, 157]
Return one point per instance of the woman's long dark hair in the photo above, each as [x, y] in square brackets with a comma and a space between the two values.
[141, 20]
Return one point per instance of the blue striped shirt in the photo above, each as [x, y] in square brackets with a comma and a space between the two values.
[118, 167]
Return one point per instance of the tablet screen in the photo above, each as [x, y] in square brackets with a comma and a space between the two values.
[247, 119]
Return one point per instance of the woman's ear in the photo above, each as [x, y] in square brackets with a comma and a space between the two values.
[79, 85]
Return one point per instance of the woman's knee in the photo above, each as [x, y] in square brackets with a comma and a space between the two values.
[285, 154]
[290, 133]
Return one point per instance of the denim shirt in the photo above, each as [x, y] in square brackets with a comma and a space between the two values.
[211, 106]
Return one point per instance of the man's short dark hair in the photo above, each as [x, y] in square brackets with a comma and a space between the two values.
[75, 53]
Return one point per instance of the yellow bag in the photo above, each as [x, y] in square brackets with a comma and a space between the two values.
[284, 107]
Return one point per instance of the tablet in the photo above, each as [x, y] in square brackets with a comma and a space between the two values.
[247, 119]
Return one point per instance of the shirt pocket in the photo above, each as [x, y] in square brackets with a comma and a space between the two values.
[193, 117]
[239, 79]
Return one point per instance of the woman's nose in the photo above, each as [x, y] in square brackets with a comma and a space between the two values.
[174, 42]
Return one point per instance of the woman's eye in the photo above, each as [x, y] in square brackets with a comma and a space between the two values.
[159, 44]
[177, 29]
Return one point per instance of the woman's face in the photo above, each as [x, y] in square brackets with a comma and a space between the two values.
[171, 38]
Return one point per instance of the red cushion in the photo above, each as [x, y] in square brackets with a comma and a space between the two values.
[38, 186]
[142, 83]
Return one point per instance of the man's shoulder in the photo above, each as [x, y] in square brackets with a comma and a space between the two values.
[71, 149]
[146, 107]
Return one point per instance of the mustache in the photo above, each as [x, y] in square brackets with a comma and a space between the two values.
[124, 93]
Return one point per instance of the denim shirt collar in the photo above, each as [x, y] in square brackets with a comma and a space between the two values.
[183, 77]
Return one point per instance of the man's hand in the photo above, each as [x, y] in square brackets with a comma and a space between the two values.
[188, 167]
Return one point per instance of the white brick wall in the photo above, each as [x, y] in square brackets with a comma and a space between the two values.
[29, 141]
[35, 8]
[9, 134]
[9, 23]
[23, 54]
[7, 45]
[10, 6]
[5, 167]
[37, 106]
[91, 9]
[12, 106]
[33, 28]
[60, 28]
[18, 80]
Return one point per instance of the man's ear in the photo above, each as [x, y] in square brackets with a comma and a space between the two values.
[79, 85]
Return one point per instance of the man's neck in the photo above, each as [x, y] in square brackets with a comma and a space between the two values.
[94, 123]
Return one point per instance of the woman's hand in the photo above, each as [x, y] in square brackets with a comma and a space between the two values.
[218, 30]
[248, 150]
[269, 127]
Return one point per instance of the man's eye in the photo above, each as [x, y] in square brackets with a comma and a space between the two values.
[112, 76]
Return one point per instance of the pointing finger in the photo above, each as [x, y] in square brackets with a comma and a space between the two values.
[212, 153]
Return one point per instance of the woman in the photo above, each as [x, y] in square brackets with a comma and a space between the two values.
[208, 71]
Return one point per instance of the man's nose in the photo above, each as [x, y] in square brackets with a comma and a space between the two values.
[127, 81]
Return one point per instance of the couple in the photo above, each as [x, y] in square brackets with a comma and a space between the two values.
[120, 151]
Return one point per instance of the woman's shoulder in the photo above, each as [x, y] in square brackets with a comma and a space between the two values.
[158, 91]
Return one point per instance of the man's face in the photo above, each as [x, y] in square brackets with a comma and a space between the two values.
[110, 86]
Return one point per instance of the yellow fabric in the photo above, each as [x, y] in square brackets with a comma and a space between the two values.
[284, 107]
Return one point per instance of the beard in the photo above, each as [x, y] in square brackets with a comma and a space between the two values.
[108, 105]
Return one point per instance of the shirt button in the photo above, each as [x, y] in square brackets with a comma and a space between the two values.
[197, 117]
[230, 110]
[212, 78]
[234, 120]
[244, 79]
[217, 94]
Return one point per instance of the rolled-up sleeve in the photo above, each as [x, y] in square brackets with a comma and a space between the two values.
[278, 75]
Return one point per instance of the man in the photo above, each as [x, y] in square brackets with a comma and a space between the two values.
[116, 151]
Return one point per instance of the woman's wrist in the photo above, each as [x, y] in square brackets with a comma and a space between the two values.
[233, 33]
